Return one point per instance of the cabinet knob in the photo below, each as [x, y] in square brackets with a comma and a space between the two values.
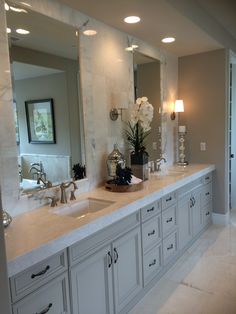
[151, 233]
[45, 310]
[42, 272]
[116, 256]
[152, 263]
[109, 259]
[170, 247]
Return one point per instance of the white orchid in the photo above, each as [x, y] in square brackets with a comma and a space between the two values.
[139, 124]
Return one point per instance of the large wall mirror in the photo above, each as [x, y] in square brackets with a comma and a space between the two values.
[147, 83]
[48, 113]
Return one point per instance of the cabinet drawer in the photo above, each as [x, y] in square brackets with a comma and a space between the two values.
[151, 232]
[84, 248]
[168, 200]
[169, 220]
[207, 178]
[152, 263]
[150, 210]
[37, 275]
[189, 187]
[52, 298]
[170, 246]
[206, 194]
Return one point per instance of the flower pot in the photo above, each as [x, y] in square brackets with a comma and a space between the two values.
[139, 164]
[139, 158]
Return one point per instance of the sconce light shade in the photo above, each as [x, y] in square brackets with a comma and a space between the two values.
[179, 107]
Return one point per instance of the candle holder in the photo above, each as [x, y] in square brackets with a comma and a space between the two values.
[182, 161]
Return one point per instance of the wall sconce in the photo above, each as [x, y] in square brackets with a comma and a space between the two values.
[131, 46]
[179, 107]
[115, 113]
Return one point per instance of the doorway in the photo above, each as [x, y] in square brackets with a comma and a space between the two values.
[232, 134]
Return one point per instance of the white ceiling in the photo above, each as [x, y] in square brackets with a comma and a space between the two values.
[158, 19]
[46, 34]
[23, 71]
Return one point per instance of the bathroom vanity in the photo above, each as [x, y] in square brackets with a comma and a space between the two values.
[104, 261]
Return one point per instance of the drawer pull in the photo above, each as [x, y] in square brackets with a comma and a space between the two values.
[116, 256]
[208, 213]
[45, 310]
[207, 178]
[109, 259]
[151, 233]
[41, 273]
[168, 199]
[169, 220]
[208, 193]
[153, 263]
[170, 247]
[150, 209]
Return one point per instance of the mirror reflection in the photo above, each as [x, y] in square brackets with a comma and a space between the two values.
[147, 83]
[48, 116]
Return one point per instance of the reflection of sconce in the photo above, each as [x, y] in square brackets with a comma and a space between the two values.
[179, 107]
[115, 113]
[130, 45]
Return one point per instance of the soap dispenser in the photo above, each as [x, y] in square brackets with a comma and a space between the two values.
[115, 158]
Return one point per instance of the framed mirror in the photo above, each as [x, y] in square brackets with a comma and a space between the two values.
[44, 64]
[147, 82]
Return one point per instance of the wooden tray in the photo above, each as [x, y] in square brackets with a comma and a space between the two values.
[124, 188]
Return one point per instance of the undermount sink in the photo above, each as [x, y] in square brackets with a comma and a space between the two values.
[82, 208]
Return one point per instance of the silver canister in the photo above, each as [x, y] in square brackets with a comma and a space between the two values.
[115, 158]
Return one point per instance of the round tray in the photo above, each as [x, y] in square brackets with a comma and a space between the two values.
[124, 188]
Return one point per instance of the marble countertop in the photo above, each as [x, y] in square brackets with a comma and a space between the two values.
[40, 233]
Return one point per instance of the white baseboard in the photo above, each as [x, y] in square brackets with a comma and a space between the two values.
[221, 219]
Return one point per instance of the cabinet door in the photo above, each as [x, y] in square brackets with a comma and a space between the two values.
[91, 282]
[184, 220]
[52, 298]
[127, 268]
[197, 218]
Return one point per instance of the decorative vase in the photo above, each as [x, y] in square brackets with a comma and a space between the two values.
[115, 158]
[139, 164]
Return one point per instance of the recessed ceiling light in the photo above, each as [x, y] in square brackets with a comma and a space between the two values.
[18, 10]
[22, 31]
[168, 40]
[6, 6]
[90, 32]
[132, 19]
[26, 4]
[8, 30]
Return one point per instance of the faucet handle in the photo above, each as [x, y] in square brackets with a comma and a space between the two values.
[72, 196]
[53, 200]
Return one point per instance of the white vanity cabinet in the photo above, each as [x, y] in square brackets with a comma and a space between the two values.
[42, 288]
[194, 208]
[110, 275]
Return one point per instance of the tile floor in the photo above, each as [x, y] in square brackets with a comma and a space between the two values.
[203, 281]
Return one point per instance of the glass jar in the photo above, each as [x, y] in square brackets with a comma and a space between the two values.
[115, 158]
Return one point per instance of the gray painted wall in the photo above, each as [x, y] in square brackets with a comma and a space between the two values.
[43, 87]
[148, 83]
[202, 86]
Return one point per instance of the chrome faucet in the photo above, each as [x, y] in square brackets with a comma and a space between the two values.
[38, 170]
[158, 163]
[63, 188]
[46, 183]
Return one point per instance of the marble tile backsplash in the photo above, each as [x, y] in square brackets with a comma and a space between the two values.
[106, 81]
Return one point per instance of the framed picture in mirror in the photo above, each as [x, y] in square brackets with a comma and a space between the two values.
[40, 121]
